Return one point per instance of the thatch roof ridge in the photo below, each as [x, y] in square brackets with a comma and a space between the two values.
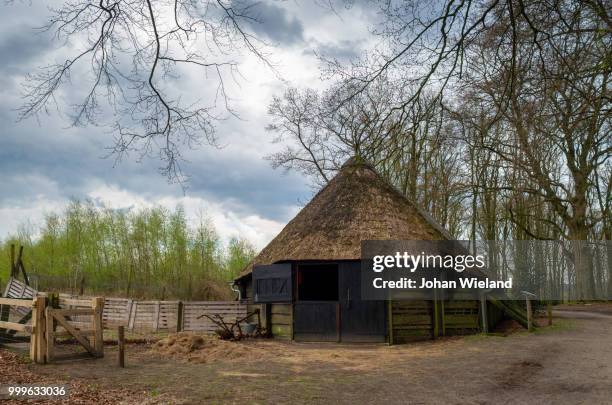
[357, 204]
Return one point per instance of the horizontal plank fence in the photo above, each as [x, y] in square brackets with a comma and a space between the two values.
[230, 311]
[158, 316]
[45, 317]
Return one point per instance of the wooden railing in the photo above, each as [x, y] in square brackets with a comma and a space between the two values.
[158, 316]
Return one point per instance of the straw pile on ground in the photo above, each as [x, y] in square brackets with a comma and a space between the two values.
[204, 348]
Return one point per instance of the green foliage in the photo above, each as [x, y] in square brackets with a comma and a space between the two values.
[150, 252]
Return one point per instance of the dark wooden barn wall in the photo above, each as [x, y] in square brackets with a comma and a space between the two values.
[411, 321]
[461, 317]
[408, 320]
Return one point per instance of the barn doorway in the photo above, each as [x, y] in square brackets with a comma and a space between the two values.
[317, 282]
[316, 308]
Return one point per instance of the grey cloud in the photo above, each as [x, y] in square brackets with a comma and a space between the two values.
[343, 51]
[67, 163]
[274, 23]
[21, 45]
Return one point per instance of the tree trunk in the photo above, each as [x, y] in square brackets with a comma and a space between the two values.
[583, 268]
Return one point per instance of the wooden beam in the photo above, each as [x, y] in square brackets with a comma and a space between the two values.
[16, 302]
[13, 260]
[66, 325]
[179, 317]
[121, 343]
[529, 315]
[390, 320]
[338, 323]
[74, 312]
[132, 317]
[156, 310]
[38, 350]
[76, 302]
[549, 313]
[442, 317]
[483, 313]
[21, 266]
[292, 323]
[50, 335]
[98, 307]
[83, 332]
[19, 327]
[436, 315]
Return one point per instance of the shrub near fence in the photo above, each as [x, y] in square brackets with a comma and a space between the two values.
[159, 316]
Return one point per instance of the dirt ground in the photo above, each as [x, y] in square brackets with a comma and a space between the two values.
[568, 363]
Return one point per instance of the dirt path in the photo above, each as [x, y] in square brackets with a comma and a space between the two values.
[569, 364]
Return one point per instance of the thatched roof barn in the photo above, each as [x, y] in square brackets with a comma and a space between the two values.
[307, 281]
[356, 205]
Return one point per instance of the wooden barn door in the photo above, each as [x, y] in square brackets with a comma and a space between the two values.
[361, 321]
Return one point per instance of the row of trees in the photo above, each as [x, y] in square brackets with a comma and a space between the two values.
[494, 116]
[150, 252]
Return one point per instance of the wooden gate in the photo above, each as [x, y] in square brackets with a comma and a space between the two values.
[91, 339]
[35, 326]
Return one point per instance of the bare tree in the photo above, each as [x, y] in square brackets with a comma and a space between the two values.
[125, 56]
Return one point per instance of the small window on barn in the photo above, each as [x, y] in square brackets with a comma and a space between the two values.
[272, 283]
[317, 282]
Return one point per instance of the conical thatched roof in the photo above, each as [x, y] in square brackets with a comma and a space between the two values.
[356, 205]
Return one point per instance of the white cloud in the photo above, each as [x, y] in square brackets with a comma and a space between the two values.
[230, 218]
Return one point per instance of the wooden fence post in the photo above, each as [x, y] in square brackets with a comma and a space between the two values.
[128, 313]
[121, 343]
[483, 313]
[179, 317]
[98, 306]
[132, 318]
[390, 320]
[49, 334]
[38, 351]
[443, 316]
[156, 312]
[549, 313]
[529, 315]
[13, 260]
[436, 315]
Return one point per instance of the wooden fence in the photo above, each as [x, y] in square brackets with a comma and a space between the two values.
[18, 290]
[159, 316]
[46, 323]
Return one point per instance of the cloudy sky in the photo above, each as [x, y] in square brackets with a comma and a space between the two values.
[45, 162]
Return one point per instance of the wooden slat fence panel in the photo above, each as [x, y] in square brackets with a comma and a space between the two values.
[116, 312]
[18, 289]
[229, 310]
[155, 316]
